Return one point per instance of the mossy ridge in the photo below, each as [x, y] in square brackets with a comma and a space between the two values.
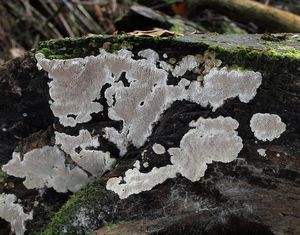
[233, 52]
[61, 222]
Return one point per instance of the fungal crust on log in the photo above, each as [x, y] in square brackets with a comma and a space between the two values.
[158, 149]
[209, 140]
[267, 126]
[94, 161]
[140, 103]
[46, 167]
[13, 213]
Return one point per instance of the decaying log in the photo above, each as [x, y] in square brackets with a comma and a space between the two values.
[200, 135]
[266, 17]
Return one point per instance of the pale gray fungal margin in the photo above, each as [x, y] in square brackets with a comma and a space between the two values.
[262, 152]
[95, 162]
[266, 126]
[13, 213]
[158, 149]
[209, 140]
[140, 104]
[46, 167]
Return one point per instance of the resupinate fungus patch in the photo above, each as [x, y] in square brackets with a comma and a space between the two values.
[137, 93]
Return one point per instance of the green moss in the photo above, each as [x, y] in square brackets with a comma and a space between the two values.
[113, 226]
[258, 58]
[2, 176]
[177, 28]
[287, 51]
[91, 199]
[236, 67]
[275, 37]
[70, 47]
[278, 62]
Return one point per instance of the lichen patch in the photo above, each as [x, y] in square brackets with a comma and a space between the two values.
[267, 126]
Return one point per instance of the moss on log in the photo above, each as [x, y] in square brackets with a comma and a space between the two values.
[240, 196]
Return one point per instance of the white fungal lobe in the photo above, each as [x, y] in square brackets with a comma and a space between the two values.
[13, 213]
[210, 140]
[137, 164]
[137, 95]
[158, 149]
[267, 126]
[75, 85]
[94, 161]
[221, 84]
[137, 181]
[188, 63]
[140, 104]
[46, 167]
[262, 152]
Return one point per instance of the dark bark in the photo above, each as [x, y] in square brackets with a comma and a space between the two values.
[251, 195]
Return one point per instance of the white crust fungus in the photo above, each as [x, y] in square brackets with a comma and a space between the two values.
[267, 126]
[13, 213]
[158, 149]
[137, 181]
[137, 164]
[188, 63]
[46, 167]
[222, 84]
[140, 103]
[75, 85]
[150, 55]
[210, 140]
[95, 162]
[262, 152]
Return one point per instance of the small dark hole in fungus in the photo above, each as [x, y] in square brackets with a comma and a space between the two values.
[78, 149]
[124, 79]
[142, 103]
[72, 116]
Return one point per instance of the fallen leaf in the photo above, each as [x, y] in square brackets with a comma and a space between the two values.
[17, 52]
[156, 32]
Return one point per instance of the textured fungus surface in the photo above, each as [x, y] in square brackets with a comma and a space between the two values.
[94, 161]
[262, 152]
[46, 167]
[267, 126]
[210, 140]
[140, 103]
[95, 99]
[158, 149]
[13, 213]
[68, 79]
